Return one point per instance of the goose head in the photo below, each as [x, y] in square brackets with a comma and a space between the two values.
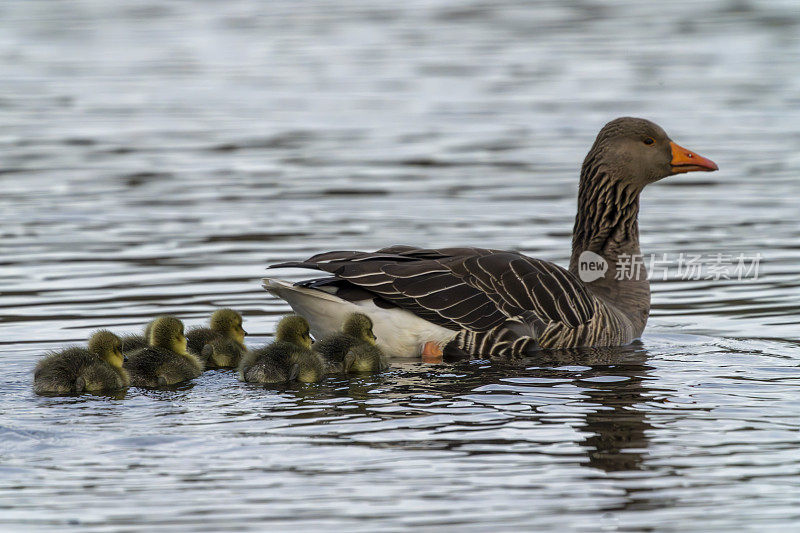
[637, 152]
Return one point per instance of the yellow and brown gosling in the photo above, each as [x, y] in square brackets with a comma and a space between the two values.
[75, 369]
[166, 360]
[353, 349]
[287, 359]
[222, 344]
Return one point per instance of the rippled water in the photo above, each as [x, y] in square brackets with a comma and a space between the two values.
[154, 157]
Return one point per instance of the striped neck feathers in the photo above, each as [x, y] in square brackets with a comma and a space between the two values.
[607, 225]
[608, 211]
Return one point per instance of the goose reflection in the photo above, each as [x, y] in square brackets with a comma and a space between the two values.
[600, 389]
[616, 429]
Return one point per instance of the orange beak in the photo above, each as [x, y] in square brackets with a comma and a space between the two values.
[684, 160]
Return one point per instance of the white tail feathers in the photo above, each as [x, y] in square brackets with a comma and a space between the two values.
[400, 333]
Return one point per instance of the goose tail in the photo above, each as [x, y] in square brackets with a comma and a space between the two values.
[400, 333]
[325, 312]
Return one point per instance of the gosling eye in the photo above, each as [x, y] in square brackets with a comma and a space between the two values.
[648, 141]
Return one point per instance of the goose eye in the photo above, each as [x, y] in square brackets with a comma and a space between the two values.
[649, 140]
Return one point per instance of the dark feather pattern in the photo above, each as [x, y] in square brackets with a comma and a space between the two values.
[461, 288]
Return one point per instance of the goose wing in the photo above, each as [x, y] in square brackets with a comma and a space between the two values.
[462, 288]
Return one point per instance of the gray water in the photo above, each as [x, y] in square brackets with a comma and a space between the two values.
[155, 157]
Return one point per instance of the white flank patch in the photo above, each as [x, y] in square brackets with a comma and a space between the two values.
[400, 333]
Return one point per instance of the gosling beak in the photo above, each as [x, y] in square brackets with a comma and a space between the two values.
[684, 160]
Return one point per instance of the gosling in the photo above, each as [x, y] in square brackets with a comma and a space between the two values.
[221, 345]
[76, 370]
[133, 342]
[166, 361]
[287, 359]
[353, 349]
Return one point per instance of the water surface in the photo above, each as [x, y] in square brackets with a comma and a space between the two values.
[155, 158]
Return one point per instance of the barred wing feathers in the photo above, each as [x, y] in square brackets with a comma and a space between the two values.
[463, 288]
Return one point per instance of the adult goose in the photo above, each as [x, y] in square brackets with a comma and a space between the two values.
[482, 302]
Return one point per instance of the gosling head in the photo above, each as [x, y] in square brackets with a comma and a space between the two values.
[107, 347]
[359, 325]
[167, 333]
[228, 323]
[294, 329]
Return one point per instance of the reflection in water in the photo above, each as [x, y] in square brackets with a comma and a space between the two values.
[610, 395]
[618, 427]
[609, 392]
[616, 382]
